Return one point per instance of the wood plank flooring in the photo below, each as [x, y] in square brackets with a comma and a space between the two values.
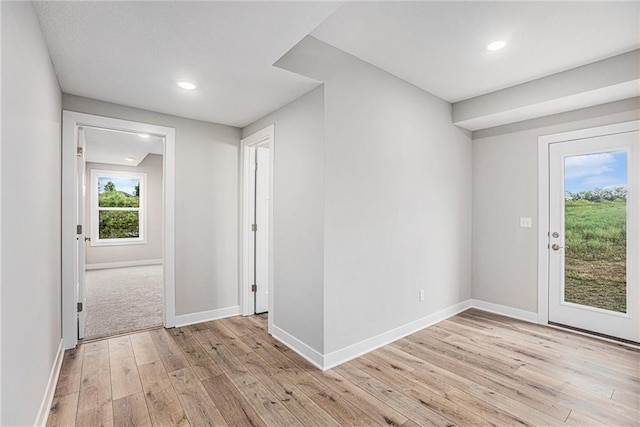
[474, 369]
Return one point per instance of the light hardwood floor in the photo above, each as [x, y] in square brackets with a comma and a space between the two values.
[474, 369]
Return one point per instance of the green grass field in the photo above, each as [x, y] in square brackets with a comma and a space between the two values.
[595, 257]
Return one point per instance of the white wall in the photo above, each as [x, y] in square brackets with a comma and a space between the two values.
[397, 205]
[612, 79]
[206, 217]
[152, 248]
[397, 198]
[31, 174]
[298, 216]
[505, 188]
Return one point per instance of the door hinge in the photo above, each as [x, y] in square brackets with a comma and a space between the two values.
[254, 288]
[254, 227]
[79, 152]
[79, 229]
[254, 166]
[79, 307]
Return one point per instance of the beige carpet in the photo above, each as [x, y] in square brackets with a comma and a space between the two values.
[120, 300]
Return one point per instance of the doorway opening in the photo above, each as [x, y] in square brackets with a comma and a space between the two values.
[118, 221]
[589, 235]
[256, 287]
[122, 199]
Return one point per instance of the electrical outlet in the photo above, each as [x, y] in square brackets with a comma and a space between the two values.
[525, 222]
[421, 295]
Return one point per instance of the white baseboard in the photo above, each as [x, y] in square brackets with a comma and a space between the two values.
[529, 316]
[335, 358]
[205, 316]
[516, 313]
[343, 355]
[47, 399]
[121, 264]
[313, 356]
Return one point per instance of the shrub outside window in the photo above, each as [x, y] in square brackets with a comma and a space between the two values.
[117, 207]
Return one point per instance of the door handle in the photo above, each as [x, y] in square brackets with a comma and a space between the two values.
[557, 247]
[87, 239]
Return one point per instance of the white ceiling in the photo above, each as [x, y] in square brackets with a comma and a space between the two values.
[132, 53]
[439, 46]
[113, 147]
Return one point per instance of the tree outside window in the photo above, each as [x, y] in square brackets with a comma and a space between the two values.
[118, 207]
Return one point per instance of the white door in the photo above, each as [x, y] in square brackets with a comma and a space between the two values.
[262, 230]
[594, 235]
[80, 220]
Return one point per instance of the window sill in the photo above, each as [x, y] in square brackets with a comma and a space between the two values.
[122, 242]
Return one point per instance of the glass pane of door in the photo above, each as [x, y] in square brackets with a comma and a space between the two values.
[595, 216]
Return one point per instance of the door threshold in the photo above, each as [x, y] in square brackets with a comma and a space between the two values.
[120, 334]
[598, 335]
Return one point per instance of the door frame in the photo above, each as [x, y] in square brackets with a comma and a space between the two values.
[81, 205]
[71, 122]
[266, 135]
[544, 142]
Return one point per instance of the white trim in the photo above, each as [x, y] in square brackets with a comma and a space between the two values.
[243, 236]
[272, 170]
[543, 229]
[263, 136]
[123, 264]
[71, 122]
[1, 234]
[613, 129]
[47, 399]
[343, 355]
[313, 356]
[515, 313]
[168, 240]
[206, 316]
[543, 200]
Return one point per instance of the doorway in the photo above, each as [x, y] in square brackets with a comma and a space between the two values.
[257, 153]
[118, 222]
[121, 286]
[592, 238]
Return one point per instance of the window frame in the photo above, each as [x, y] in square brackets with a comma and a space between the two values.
[95, 209]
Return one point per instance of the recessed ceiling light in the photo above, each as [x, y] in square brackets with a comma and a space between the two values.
[130, 159]
[496, 45]
[144, 135]
[186, 85]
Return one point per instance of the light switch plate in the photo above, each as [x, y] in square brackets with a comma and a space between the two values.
[525, 222]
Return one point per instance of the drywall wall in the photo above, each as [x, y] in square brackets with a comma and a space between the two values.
[298, 216]
[206, 215]
[505, 188]
[31, 193]
[152, 248]
[1, 117]
[397, 205]
[397, 198]
[609, 80]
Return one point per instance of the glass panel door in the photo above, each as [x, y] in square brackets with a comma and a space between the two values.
[593, 236]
